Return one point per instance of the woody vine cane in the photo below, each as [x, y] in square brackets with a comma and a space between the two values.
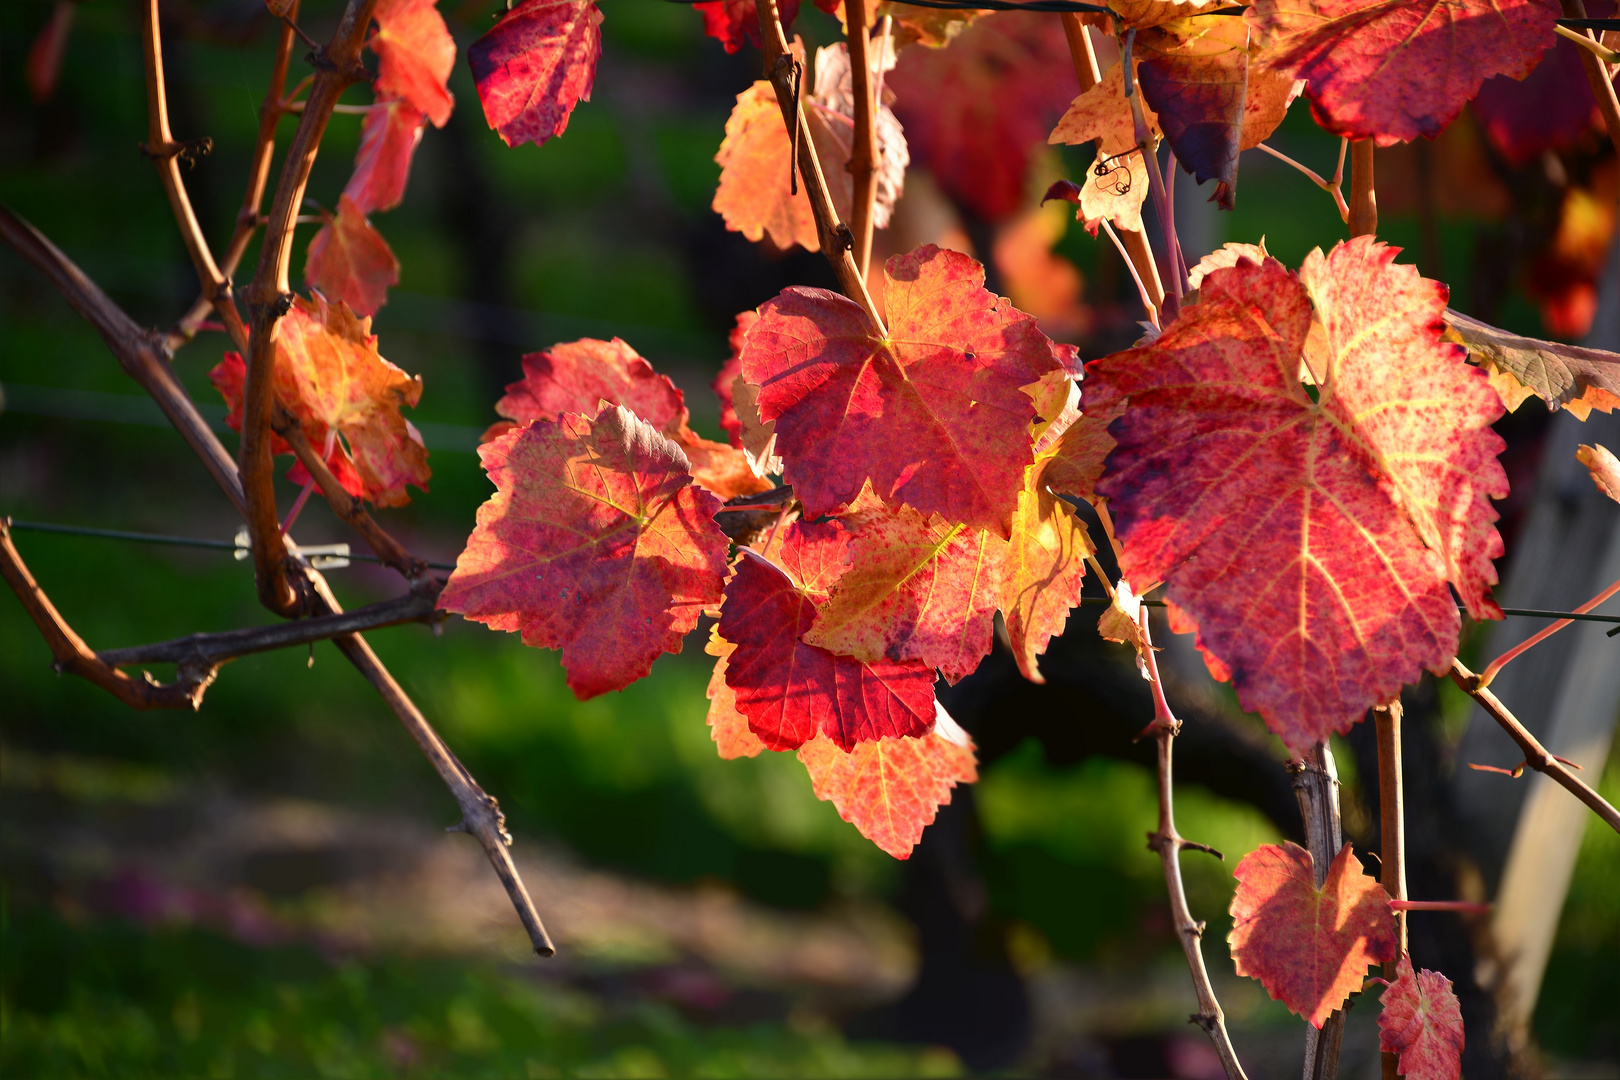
[1298, 463]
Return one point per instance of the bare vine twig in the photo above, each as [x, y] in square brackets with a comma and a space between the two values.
[1391, 838]
[863, 158]
[73, 656]
[1363, 218]
[1536, 756]
[1316, 786]
[1169, 844]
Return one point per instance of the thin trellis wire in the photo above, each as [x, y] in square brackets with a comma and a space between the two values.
[175, 541]
[227, 545]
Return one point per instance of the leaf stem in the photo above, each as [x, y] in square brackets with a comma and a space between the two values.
[344, 505]
[1134, 248]
[1495, 666]
[837, 241]
[864, 152]
[1168, 844]
[1608, 56]
[1391, 838]
[1536, 756]
[1130, 264]
[1467, 907]
[1156, 185]
[1331, 187]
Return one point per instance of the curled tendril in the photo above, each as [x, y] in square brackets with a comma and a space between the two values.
[1112, 178]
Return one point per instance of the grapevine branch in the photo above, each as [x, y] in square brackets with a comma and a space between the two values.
[1156, 186]
[1536, 756]
[1168, 843]
[215, 286]
[144, 355]
[864, 153]
[1363, 219]
[1391, 838]
[72, 655]
[215, 649]
[338, 66]
[264, 149]
[836, 239]
[1316, 786]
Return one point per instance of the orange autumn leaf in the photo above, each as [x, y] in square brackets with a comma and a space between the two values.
[755, 195]
[1603, 466]
[727, 727]
[348, 260]
[415, 53]
[892, 788]
[1310, 947]
[330, 377]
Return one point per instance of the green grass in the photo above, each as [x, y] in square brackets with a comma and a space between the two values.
[94, 1000]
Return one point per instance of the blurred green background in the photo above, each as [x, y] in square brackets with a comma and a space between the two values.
[257, 888]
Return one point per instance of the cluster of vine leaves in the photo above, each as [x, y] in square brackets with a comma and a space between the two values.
[1301, 459]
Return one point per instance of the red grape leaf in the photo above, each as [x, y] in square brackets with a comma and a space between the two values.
[729, 373]
[348, 260]
[595, 542]
[790, 690]
[1422, 1022]
[1550, 109]
[1329, 600]
[329, 376]
[1604, 467]
[917, 588]
[1195, 74]
[976, 110]
[577, 376]
[230, 379]
[891, 789]
[727, 727]
[934, 416]
[535, 65]
[573, 377]
[1391, 70]
[735, 22]
[43, 66]
[415, 53]
[388, 138]
[1309, 947]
